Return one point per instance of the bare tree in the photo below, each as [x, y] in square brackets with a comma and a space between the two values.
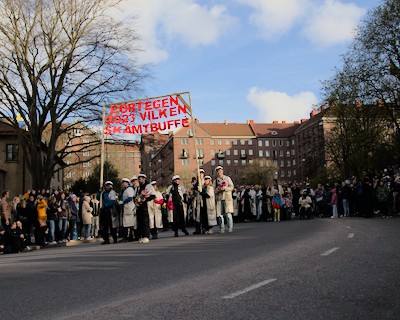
[60, 61]
[371, 67]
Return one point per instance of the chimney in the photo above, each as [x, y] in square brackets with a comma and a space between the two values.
[275, 122]
[323, 107]
[225, 122]
[283, 122]
[296, 122]
[303, 120]
[313, 113]
[250, 121]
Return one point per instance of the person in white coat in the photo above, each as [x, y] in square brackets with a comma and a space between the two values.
[155, 215]
[127, 210]
[223, 187]
[87, 217]
[208, 214]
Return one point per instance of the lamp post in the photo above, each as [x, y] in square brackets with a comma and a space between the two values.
[302, 170]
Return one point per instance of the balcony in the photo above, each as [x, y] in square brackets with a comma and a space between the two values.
[221, 155]
[184, 155]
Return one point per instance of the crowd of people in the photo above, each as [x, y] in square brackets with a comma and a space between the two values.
[140, 211]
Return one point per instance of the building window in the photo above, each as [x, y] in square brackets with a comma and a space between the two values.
[250, 142]
[242, 142]
[219, 142]
[201, 162]
[69, 174]
[288, 163]
[293, 142]
[227, 142]
[294, 162]
[213, 152]
[267, 143]
[228, 152]
[235, 162]
[289, 173]
[213, 162]
[282, 163]
[77, 132]
[293, 152]
[235, 142]
[184, 141]
[86, 174]
[260, 153]
[185, 162]
[282, 173]
[260, 143]
[12, 152]
[199, 141]
[221, 162]
[250, 152]
[228, 162]
[86, 153]
[212, 142]
[281, 143]
[235, 152]
[86, 164]
[251, 161]
[266, 153]
[200, 153]
[281, 153]
[243, 162]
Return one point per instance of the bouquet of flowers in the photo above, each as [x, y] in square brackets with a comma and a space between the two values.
[142, 197]
[221, 184]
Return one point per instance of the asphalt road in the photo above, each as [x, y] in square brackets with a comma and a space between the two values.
[313, 269]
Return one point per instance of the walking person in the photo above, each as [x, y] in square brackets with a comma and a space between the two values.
[223, 187]
[127, 210]
[208, 214]
[146, 194]
[176, 193]
[155, 215]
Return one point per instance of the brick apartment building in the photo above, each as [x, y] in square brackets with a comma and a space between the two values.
[295, 148]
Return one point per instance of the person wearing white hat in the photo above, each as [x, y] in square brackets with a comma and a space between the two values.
[155, 215]
[128, 214]
[196, 189]
[176, 194]
[145, 195]
[223, 187]
[208, 215]
[108, 213]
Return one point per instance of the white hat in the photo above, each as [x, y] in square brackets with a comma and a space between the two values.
[133, 178]
[125, 180]
[207, 177]
[218, 167]
[108, 182]
[142, 175]
[175, 177]
[153, 182]
[201, 170]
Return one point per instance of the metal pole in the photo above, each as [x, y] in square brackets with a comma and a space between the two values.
[102, 147]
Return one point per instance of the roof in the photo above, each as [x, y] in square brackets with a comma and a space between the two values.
[274, 130]
[7, 129]
[227, 129]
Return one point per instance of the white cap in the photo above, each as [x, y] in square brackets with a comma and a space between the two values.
[125, 180]
[108, 182]
[175, 177]
[133, 178]
[142, 175]
[201, 170]
[153, 182]
[218, 167]
[207, 177]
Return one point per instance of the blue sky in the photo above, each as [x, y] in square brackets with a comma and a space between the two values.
[244, 59]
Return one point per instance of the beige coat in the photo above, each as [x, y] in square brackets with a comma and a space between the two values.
[155, 215]
[87, 212]
[210, 203]
[225, 194]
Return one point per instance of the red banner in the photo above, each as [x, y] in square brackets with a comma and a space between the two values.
[147, 116]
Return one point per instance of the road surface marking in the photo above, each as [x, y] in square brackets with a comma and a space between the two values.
[329, 251]
[252, 287]
[351, 235]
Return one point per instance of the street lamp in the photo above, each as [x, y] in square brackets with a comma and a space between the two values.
[302, 170]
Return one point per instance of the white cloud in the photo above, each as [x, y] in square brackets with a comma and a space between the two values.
[275, 18]
[184, 21]
[325, 23]
[333, 22]
[276, 105]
